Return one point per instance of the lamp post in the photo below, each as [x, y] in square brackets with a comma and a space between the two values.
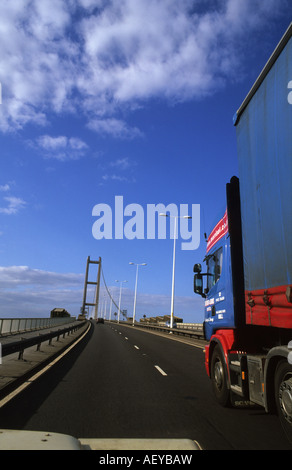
[135, 298]
[173, 261]
[110, 313]
[120, 299]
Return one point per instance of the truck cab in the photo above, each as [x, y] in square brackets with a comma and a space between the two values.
[218, 308]
[215, 285]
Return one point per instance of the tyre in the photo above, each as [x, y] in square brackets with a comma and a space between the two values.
[283, 395]
[219, 378]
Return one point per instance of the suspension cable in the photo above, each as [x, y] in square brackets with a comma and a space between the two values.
[109, 294]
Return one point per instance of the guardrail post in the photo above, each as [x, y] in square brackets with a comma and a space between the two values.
[50, 340]
[20, 354]
[39, 344]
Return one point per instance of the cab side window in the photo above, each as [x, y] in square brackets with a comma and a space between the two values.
[214, 264]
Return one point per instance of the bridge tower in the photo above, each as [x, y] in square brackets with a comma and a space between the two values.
[97, 284]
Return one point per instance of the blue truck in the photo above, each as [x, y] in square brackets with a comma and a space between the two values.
[247, 284]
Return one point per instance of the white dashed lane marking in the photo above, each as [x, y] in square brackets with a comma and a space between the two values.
[160, 370]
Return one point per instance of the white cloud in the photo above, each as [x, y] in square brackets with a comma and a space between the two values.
[34, 77]
[16, 276]
[96, 57]
[33, 292]
[15, 204]
[61, 147]
[115, 128]
[52, 143]
[114, 177]
[122, 163]
[77, 144]
[5, 187]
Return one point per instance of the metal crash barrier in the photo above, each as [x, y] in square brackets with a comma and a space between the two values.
[23, 343]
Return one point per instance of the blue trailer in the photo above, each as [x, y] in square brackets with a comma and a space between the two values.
[247, 282]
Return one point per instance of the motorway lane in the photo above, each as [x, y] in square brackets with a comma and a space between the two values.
[125, 382]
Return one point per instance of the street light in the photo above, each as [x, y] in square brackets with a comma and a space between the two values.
[105, 305]
[135, 298]
[110, 313]
[173, 262]
[120, 299]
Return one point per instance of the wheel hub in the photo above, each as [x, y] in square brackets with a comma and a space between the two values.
[285, 396]
[218, 374]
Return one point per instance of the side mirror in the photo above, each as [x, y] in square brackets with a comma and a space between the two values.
[198, 285]
[197, 268]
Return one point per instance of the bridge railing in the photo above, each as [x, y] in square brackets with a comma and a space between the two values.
[193, 330]
[196, 332]
[19, 345]
[10, 326]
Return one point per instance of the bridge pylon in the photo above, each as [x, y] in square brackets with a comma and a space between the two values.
[97, 284]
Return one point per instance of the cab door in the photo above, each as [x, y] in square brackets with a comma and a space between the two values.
[218, 304]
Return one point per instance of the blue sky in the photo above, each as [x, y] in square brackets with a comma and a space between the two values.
[131, 98]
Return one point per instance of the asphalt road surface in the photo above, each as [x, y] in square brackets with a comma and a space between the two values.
[125, 382]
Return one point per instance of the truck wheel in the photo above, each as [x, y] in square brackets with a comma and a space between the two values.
[219, 378]
[283, 394]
